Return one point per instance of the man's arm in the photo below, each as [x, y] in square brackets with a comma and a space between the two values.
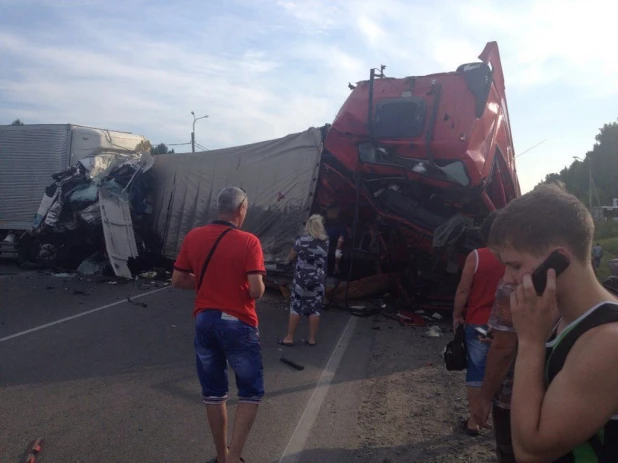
[500, 356]
[578, 402]
[183, 280]
[256, 285]
[463, 289]
[254, 267]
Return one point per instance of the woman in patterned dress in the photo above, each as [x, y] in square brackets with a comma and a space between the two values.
[311, 253]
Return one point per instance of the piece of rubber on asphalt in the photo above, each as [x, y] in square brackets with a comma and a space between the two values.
[292, 363]
[141, 304]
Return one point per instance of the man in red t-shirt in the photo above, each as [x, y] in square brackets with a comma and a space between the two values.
[225, 266]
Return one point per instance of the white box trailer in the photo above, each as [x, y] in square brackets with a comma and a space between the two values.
[30, 154]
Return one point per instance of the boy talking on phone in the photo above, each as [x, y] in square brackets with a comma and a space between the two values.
[565, 400]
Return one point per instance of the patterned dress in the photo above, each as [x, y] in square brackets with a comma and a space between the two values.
[308, 286]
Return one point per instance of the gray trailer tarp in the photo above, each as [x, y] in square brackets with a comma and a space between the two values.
[279, 177]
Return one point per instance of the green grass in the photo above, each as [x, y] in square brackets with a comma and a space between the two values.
[610, 251]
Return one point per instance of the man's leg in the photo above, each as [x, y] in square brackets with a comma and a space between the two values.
[245, 357]
[477, 356]
[502, 428]
[212, 373]
[217, 419]
[243, 421]
[473, 396]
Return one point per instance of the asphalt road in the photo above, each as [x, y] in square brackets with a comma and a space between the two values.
[102, 379]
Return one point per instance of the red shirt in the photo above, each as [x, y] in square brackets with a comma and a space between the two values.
[487, 274]
[225, 286]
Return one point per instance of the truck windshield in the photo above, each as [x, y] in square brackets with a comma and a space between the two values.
[453, 171]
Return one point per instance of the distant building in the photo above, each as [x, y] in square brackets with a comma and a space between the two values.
[601, 213]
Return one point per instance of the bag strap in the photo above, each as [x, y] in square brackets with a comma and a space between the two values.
[606, 313]
[209, 257]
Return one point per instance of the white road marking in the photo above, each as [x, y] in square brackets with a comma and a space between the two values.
[297, 442]
[82, 314]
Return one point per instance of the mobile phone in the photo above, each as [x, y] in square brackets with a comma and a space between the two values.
[556, 260]
[482, 332]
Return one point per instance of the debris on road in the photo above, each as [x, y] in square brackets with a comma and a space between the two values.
[140, 304]
[434, 332]
[34, 451]
[63, 275]
[148, 275]
[292, 363]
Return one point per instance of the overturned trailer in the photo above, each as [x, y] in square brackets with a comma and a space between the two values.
[279, 176]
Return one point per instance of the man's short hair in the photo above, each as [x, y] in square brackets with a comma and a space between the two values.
[230, 199]
[547, 216]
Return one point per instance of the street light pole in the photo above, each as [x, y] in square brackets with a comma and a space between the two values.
[193, 131]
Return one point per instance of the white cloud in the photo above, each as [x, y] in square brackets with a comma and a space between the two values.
[264, 69]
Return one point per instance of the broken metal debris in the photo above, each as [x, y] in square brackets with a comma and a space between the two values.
[85, 219]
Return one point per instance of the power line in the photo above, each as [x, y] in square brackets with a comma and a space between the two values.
[531, 148]
[202, 147]
[177, 144]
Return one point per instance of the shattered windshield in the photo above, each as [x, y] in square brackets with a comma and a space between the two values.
[455, 171]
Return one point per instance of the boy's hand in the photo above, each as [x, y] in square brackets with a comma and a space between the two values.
[534, 316]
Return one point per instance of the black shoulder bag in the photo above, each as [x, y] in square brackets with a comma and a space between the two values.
[455, 355]
[209, 257]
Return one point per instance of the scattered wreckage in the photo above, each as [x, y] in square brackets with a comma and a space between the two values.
[410, 167]
[85, 220]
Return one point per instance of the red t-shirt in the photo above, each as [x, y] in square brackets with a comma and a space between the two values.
[487, 274]
[225, 286]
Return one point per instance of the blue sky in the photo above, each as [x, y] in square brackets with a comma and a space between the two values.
[265, 68]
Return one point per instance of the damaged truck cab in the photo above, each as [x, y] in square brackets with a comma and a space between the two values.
[428, 154]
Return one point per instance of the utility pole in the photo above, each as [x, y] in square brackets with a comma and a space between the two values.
[193, 131]
[590, 182]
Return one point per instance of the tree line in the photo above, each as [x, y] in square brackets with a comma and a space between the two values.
[596, 175]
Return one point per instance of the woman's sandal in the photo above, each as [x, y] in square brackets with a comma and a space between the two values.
[467, 430]
[281, 342]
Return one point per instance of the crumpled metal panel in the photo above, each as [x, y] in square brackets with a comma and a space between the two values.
[279, 176]
[118, 230]
[43, 149]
